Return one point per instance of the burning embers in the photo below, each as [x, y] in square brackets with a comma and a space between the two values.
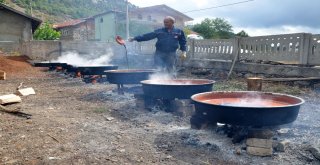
[90, 74]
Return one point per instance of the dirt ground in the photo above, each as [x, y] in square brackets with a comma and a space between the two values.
[77, 123]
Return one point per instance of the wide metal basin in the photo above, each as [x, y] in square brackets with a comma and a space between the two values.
[95, 70]
[71, 68]
[176, 88]
[50, 64]
[247, 108]
[128, 76]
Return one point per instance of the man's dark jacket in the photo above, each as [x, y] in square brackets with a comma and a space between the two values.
[167, 41]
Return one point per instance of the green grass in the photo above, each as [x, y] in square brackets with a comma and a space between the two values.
[241, 85]
[231, 85]
[100, 110]
[282, 88]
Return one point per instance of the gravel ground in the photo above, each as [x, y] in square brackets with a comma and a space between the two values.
[77, 123]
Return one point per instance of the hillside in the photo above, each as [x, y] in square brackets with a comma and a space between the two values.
[59, 10]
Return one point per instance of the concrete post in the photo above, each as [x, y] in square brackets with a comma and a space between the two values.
[236, 55]
[305, 44]
[60, 48]
[192, 48]
[236, 47]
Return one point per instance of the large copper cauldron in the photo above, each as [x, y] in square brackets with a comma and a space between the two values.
[128, 76]
[175, 88]
[50, 64]
[247, 108]
[95, 70]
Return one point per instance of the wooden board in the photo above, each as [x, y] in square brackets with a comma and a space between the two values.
[25, 92]
[7, 99]
[2, 75]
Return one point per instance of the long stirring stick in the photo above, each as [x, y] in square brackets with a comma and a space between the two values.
[126, 56]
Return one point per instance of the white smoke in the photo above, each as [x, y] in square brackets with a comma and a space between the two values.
[168, 79]
[161, 76]
[73, 58]
[248, 100]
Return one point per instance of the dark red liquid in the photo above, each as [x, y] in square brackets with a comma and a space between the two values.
[246, 102]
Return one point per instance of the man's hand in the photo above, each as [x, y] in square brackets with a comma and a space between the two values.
[183, 55]
[131, 39]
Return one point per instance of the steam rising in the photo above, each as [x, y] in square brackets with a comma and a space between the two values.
[73, 58]
[167, 79]
[248, 100]
[161, 76]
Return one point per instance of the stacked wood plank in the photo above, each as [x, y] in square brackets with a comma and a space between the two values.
[2, 75]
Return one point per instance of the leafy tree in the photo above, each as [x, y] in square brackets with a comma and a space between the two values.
[217, 28]
[2, 1]
[187, 31]
[242, 33]
[46, 32]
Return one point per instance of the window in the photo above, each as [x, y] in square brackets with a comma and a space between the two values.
[149, 18]
[101, 20]
[65, 32]
[140, 16]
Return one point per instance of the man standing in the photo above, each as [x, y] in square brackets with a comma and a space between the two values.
[169, 39]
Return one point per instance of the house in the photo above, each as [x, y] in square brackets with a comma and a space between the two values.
[105, 26]
[154, 15]
[79, 29]
[16, 26]
[100, 27]
[108, 25]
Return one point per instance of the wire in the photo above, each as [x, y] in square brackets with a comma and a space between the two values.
[230, 4]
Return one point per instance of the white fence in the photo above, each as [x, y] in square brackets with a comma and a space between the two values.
[299, 48]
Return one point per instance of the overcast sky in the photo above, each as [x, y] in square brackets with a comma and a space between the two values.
[257, 17]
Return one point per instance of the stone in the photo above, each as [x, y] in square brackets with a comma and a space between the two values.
[260, 133]
[122, 150]
[281, 146]
[54, 158]
[109, 118]
[263, 143]
[238, 151]
[258, 151]
[283, 131]
[315, 152]
[169, 157]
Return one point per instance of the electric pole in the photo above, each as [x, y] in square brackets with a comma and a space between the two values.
[127, 20]
[30, 3]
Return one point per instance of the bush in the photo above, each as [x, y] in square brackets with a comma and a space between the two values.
[46, 32]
